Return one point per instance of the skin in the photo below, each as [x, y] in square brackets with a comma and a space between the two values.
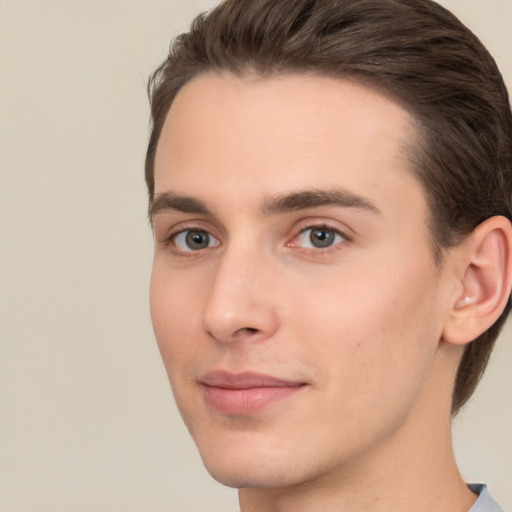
[358, 323]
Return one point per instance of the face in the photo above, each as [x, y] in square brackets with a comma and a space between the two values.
[294, 295]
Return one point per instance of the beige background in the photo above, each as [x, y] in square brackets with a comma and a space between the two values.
[87, 421]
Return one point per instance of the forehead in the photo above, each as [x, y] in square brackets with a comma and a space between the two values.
[251, 136]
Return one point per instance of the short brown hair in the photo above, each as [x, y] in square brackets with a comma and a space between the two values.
[414, 50]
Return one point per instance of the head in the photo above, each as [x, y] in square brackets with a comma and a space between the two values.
[413, 51]
[343, 273]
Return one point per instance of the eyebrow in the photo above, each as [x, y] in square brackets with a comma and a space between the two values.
[302, 200]
[172, 201]
[282, 203]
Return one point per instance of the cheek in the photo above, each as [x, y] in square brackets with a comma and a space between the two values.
[173, 313]
[375, 333]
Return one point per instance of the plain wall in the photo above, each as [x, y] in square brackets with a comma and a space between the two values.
[87, 420]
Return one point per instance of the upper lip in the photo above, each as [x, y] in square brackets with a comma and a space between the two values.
[244, 380]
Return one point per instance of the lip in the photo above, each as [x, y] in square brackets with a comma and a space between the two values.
[246, 393]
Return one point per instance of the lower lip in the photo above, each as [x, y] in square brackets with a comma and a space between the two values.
[243, 402]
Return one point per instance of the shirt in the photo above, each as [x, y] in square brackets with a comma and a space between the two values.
[484, 502]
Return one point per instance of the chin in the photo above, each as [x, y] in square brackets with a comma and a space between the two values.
[239, 467]
[255, 475]
[257, 465]
[229, 479]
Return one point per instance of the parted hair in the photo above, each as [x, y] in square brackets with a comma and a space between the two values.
[416, 52]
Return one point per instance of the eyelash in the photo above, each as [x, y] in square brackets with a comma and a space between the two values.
[170, 240]
[320, 250]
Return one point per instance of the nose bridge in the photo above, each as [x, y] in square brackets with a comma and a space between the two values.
[240, 305]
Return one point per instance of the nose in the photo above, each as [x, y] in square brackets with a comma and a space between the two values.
[240, 305]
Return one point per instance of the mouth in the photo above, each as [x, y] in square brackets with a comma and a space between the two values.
[243, 394]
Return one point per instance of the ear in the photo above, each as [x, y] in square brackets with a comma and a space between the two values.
[485, 270]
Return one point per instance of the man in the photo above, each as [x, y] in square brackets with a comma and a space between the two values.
[329, 187]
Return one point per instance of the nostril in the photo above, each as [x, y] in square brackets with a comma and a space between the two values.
[238, 335]
[245, 332]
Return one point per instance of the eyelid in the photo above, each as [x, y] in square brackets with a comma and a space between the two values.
[310, 224]
[169, 233]
[321, 222]
[212, 241]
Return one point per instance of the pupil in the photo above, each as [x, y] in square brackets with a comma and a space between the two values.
[197, 240]
[321, 237]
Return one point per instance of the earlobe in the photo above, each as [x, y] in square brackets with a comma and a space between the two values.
[486, 279]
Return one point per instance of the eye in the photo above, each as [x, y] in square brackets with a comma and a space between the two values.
[194, 240]
[318, 237]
